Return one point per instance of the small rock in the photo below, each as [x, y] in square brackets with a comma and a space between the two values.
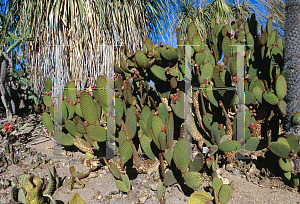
[143, 199]
[254, 170]
[225, 181]
[153, 186]
[235, 172]
[100, 197]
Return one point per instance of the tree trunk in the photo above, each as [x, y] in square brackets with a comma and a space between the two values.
[292, 61]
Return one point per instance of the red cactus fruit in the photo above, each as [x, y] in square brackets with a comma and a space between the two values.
[50, 93]
[135, 76]
[10, 126]
[78, 100]
[178, 91]
[136, 111]
[137, 72]
[117, 94]
[211, 150]
[68, 99]
[177, 97]
[7, 124]
[10, 130]
[72, 104]
[251, 125]
[174, 100]
[231, 34]
[163, 128]
[53, 104]
[234, 79]
[171, 96]
[86, 123]
[208, 160]
[205, 81]
[220, 126]
[6, 128]
[47, 131]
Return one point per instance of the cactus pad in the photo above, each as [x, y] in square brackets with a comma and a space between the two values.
[270, 98]
[182, 154]
[200, 197]
[145, 143]
[131, 122]
[169, 52]
[280, 149]
[47, 121]
[48, 85]
[101, 85]
[114, 170]
[76, 199]
[96, 133]
[159, 72]
[224, 194]
[88, 108]
[141, 59]
[280, 87]
[193, 179]
[64, 139]
[126, 151]
[47, 100]
[161, 189]
[170, 179]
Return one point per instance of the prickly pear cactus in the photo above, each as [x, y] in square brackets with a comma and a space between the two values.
[150, 100]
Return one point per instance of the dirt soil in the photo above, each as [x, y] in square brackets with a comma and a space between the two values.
[249, 183]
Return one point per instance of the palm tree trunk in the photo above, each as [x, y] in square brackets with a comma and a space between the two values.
[292, 60]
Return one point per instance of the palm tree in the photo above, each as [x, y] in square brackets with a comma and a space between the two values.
[275, 9]
[242, 9]
[292, 61]
[187, 11]
[70, 34]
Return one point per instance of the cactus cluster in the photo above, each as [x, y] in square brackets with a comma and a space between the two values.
[77, 121]
[153, 118]
[33, 189]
